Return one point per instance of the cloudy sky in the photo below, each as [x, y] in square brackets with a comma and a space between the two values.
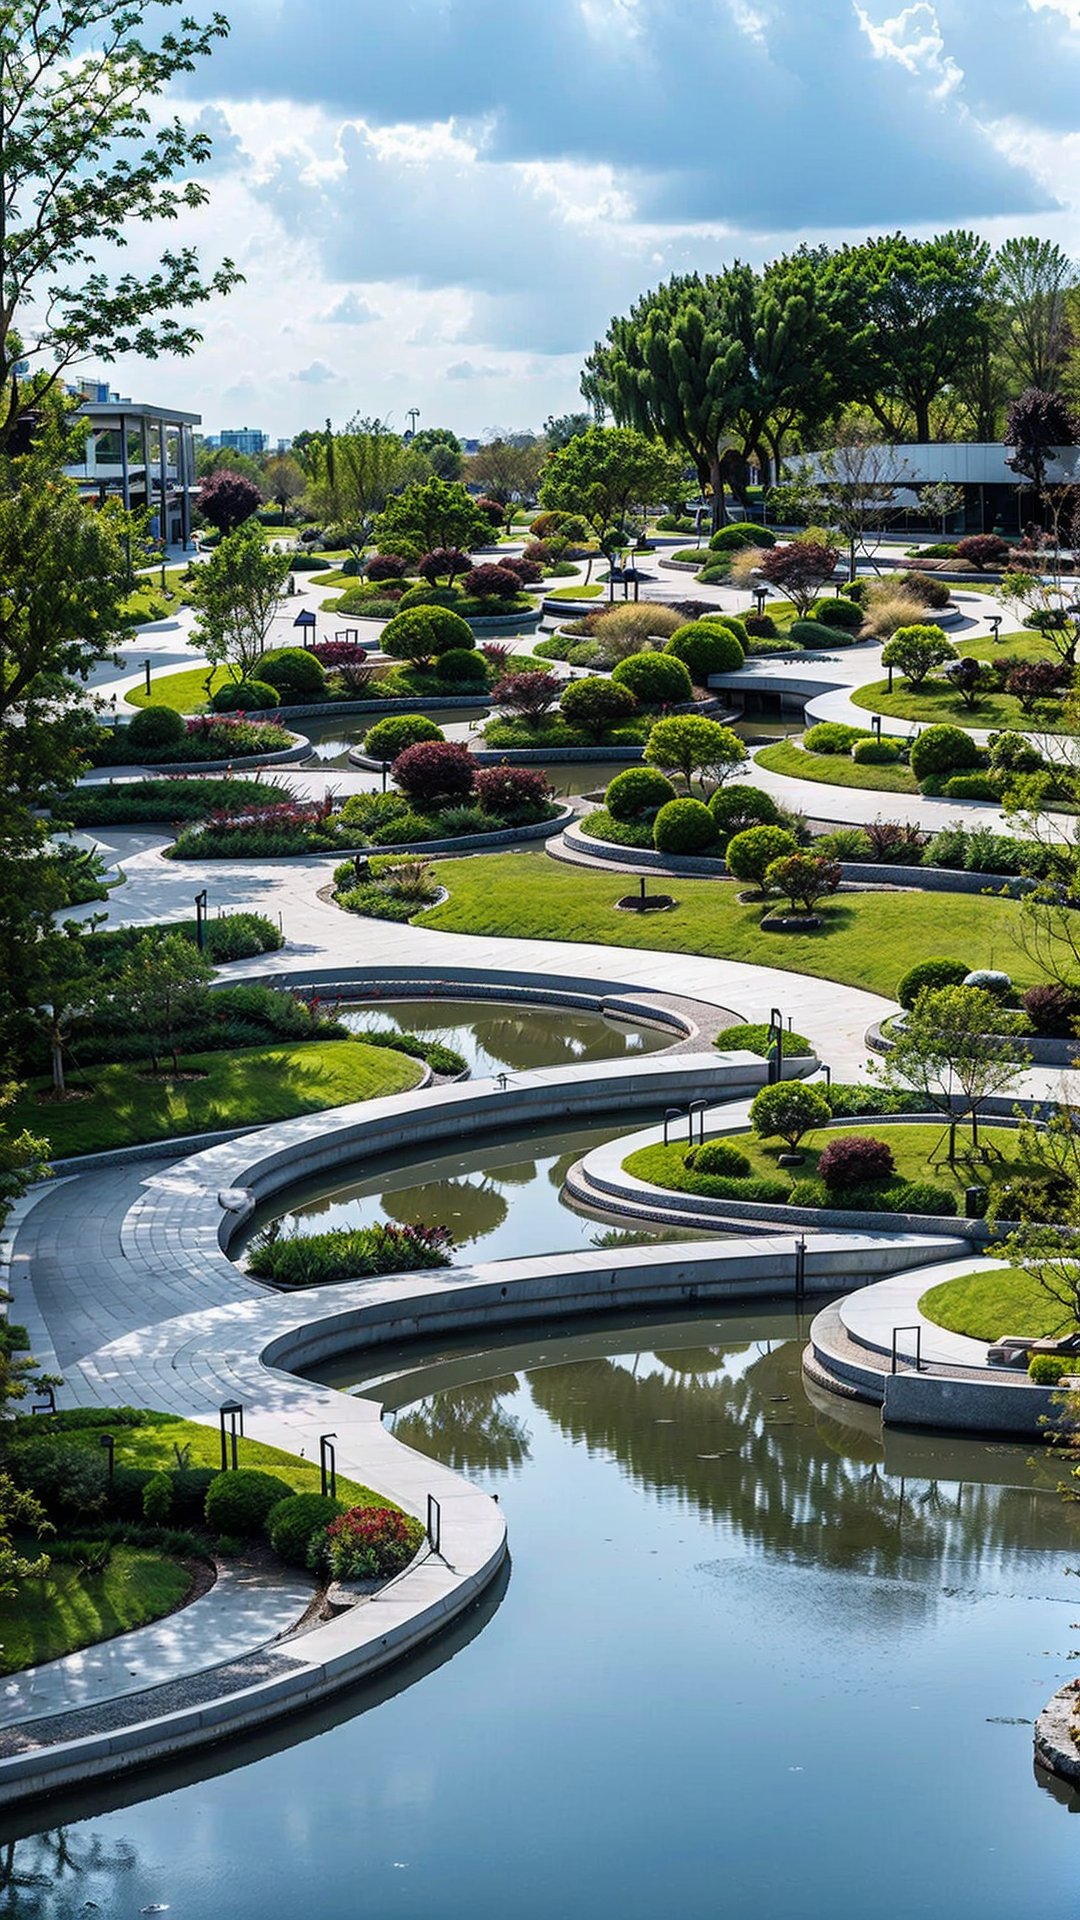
[441, 203]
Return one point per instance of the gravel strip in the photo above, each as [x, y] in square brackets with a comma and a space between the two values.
[197, 1691]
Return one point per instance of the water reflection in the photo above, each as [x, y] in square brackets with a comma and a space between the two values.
[470, 1429]
[56, 1874]
[496, 1037]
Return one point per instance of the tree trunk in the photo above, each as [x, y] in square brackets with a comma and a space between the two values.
[716, 481]
[922, 421]
[57, 1051]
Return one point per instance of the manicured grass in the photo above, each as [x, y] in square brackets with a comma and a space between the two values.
[912, 1146]
[581, 592]
[834, 769]
[166, 1440]
[147, 602]
[66, 1611]
[987, 1306]
[866, 940]
[184, 691]
[936, 701]
[238, 1089]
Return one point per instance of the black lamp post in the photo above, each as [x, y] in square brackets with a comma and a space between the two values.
[200, 916]
[146, 670]
[108, 1441]
[233, 1412]
[995, 625]
[761, 594]
[328, 1464]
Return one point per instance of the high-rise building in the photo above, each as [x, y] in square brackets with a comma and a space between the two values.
[244, 439]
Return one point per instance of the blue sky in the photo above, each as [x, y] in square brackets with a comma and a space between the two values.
[441, 203]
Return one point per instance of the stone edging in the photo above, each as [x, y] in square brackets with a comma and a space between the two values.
[1044, 1052]
[135, 769]
[1055, 1745]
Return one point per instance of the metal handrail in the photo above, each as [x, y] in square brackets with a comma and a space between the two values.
[698, 1107]
[670, 1114]
[916, 1329]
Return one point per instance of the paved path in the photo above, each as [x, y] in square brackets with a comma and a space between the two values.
[243, 1610]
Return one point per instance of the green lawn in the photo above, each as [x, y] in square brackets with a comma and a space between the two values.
[238, 1089]
[912, 1146]
[185, 691]
[936, 700]
[867, 940]
[147, 602]
[834, 769]
[64, 1611]
[580, 592]
[166, 1440]
[987, 1306]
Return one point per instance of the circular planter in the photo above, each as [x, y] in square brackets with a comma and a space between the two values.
[646, 903]
[790, 923]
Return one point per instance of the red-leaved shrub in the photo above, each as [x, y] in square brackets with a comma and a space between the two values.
[490, 582]
[514, 793]
[387, 566]
[855, 1161]
[983, 550]
[434, 772]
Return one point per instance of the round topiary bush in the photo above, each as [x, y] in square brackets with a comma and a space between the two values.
[991, 980]
[741, 533]
[239, 1502]
[461, 668]
[832, 736]
[596, 705]
[749, 854]
[389, 737]
[491, 582]
[435, 772]
[654, 679]
[761, 626]
[245, 696]
[421, 633]
[731, 621]
[705, 649]
[514, 794]
[875, 753]
[1014, 753]
[788, 1110]
[717, 1156]
[813, 633]
[427, 595]
[386, 566]
[295, 674]
[972, 786]
[638, 792]
[943, 750]
[295, 1521]
[838, 613]
[157, 727]
[857, 1160]
[736, 808]
[683, 826]
[929, 975]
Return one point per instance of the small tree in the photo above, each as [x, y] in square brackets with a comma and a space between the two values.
[1035, 424]
[788, 1110]
[235, 593]
[284, 481]
[1042, 607]
[227, 499]
[804, 877]
[957, 1045]
[1048, 1148]
[916, 651]
[162, 985]
[443, 564]
[800, 570]
[1036, 680]
[689, 744]
[429, 514]
[750, 854]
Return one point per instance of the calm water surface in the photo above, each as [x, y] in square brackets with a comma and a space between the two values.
[497, 1036]
[748, 1664]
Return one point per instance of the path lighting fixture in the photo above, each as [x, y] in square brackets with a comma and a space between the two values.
[233, 1412]
[761, 594]
[305, 620]
[875, 725]
[108, 1441]
[328, 1464]
[200, 916]
[146, 670]
[776, 1046]
[995, 625]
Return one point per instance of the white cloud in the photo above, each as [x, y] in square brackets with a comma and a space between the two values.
[465, 370]
[914, 39]
[316, 374]
[352, 310]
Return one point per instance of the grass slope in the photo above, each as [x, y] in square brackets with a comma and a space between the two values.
[184, 691]
[63, 1612]
[912, 1147]
[834, 769]
[238, 1089]
[937, 702]
[987, 1306]
[867, 940]
[165, 1439]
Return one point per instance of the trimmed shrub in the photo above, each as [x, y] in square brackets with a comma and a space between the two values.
[971, 786]
[736, 808]
[758, 1037]
[1046, 1369]
[838, 613]
[239, 1502]
[531, 695]
[989, 980]
[157, 727]
[420, 633]
[683, 826]
[596, 705]
[245, 696]
[386, 566]
[918, 1196]
[371, 1543]
[462, 668]
[983, 550]
[637, 793]
[787, 1111]
[654, 679]
[929, 974]
[389, 737]
[855, 1161]
[157, 1499]
[916, 651]
[1014, 753]
[435, 772]
[875, 753]
[427, 596]
[1053, 1009]
[844, 843]
[942, 751]
[740, 533]
[761, 626]
[190, 1486]
[751, 853]
[812, 633]
[295, 675]
[293, 1523]
[706, 648]
[925, 587]
[512, 793]
[832, 736]
[490, 582]
[717, 1156]
[731, 621]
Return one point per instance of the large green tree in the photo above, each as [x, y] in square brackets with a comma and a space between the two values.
[86, 156]
[1032, 279]
[429, 514]
[605, 471]
[236, 593]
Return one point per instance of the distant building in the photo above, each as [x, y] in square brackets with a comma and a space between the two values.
[285, 446]
[995, 498]
[244, 439]
[143, 455]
